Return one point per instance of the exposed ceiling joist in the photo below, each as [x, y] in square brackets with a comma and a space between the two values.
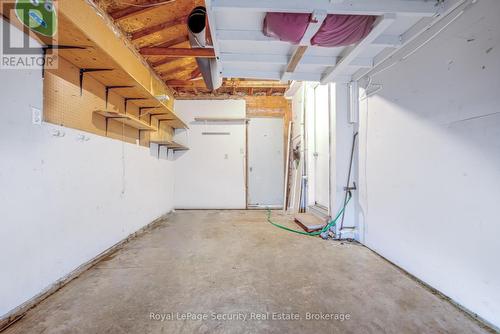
[269, 75]
[196, 73]
[230, 83]
[156, 28]
[124, 13]
[316, 20]
[283, 60]
[417, 35]
[258, 36]
[353, 52]
[419, 8]
[179, 52]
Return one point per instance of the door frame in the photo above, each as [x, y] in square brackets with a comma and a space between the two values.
[249, 118]
[312, 137]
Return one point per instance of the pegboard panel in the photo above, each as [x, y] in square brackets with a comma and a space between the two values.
[64, 106]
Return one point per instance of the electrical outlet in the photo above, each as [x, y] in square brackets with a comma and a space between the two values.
[36, 116]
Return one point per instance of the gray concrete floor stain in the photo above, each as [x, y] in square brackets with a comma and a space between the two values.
[234, 264]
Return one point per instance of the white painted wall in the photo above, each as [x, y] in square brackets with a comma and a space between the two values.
[430, 162]
[64, 200]
[211, 175]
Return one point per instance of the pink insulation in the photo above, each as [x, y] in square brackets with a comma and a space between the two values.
[288, 27]
[336, 30]
[343, 30]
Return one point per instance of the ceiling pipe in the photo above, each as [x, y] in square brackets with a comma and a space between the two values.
[197, 28]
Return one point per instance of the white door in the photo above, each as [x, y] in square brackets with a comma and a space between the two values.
[265, 162]
[321, 160]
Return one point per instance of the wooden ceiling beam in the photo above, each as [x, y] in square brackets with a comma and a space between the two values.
[195, 74]
[124, 13]
[156, 28]
[230, 83]
[167, 44]
[178, 52]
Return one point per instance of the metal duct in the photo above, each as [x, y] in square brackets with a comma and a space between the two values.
[197, 26]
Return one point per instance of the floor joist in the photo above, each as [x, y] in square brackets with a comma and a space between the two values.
[419, 8]
[351, 53]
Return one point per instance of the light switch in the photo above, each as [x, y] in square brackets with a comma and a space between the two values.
[36, 116]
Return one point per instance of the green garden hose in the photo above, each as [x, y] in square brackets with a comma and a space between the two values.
[324, 229]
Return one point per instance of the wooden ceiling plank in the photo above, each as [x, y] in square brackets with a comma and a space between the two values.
[156, 28]
[164, 61]
[175, 70]
[172, 42]
[127, 12]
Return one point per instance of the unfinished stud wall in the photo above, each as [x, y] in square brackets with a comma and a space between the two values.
[430, 162]
[66, 195]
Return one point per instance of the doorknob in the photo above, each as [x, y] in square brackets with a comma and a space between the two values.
[250, 169]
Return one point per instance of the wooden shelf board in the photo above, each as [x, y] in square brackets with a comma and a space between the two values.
[178, 147]
[81, 25]
[97, 56]
[177, 124]
[170, 144]
[126, 119]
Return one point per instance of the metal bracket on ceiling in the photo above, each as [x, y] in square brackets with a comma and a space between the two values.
[57, 47]
[126, 99]
[108, 88]
[89, 70]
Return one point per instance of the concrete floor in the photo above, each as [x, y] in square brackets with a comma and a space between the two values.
[233, 263]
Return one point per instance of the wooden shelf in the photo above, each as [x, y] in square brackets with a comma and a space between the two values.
[126, 119]
[170, 144]
[87, 38]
